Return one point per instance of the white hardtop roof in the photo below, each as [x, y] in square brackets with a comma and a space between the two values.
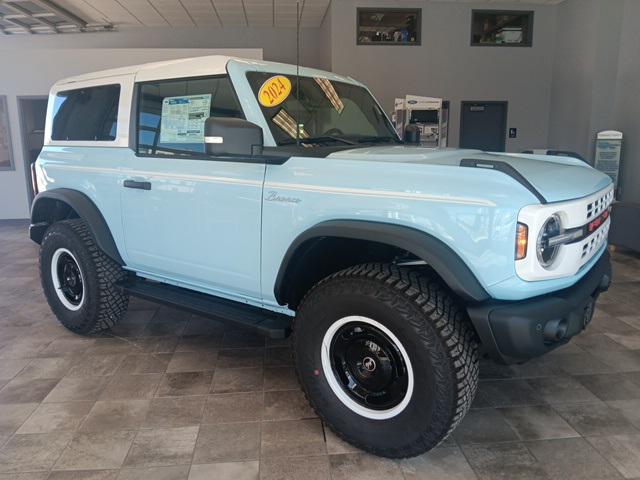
[195, 66]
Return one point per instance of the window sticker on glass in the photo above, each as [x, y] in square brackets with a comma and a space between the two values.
[183, 118]
[274, 91]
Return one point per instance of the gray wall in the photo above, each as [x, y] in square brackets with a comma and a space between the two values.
[446, 66]
[277, 44]
[627, 102]
[596, 81]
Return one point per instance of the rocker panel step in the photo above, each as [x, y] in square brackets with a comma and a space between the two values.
[269, 324]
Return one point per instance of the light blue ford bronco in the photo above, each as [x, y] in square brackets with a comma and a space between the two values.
[284, 203]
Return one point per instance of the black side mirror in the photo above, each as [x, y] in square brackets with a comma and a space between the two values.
[234, 136]
[412, 134]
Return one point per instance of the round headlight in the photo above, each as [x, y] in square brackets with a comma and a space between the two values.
[551, 228]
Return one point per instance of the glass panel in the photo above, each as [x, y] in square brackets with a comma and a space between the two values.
[86, 114]
[172, 113]
[494, 27]
[388, 26]
[328, 112]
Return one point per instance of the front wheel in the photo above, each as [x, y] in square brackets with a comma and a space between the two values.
[79, 280]
[386, 357]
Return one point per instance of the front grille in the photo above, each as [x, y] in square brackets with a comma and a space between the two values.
[598, 206]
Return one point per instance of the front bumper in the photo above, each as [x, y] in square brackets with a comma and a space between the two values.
[514, 332]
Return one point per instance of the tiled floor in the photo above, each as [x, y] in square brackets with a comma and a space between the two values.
[168, 395]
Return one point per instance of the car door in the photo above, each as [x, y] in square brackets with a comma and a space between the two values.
[189, 219]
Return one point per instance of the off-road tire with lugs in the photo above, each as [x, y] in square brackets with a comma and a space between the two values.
[104, 303]
[427, 319]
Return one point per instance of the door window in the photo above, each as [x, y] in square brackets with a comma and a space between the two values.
[172, 113]
[86, 114]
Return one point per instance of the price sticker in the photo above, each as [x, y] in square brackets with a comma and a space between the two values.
[274, 91]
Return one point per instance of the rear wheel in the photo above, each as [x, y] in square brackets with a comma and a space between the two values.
[386, 357]
[79, 280]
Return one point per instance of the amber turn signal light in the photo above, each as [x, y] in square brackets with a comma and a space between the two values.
[522, 240]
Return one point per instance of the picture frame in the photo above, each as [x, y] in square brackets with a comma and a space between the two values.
[6, 149]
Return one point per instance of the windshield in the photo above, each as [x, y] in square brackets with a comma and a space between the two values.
[326, 112]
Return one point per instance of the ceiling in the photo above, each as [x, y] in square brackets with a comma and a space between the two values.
[58, 16]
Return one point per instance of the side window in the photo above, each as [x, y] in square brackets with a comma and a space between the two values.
[171, 114]
[89, 114]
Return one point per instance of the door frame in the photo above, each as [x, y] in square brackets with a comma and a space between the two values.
[505, 103]
[23, 141]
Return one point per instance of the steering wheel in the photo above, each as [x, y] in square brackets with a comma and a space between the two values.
[333, 131]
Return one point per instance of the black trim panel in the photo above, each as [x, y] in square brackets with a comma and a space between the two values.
[84, 207]
[517, 331]
[436, 253]
[505, 168]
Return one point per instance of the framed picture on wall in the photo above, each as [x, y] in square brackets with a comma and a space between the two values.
[501, 28]
[389, 26]
[6, 154]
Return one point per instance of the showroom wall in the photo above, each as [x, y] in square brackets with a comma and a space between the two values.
[446, 66]
[35, 77]
[596, 81]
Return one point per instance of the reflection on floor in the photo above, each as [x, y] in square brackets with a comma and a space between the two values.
[173, 396]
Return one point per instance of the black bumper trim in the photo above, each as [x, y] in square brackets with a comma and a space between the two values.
[517, 331]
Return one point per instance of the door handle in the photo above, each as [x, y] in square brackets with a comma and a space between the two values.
[137, 184]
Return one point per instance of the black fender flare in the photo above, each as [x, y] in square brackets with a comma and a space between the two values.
[447, 263]
[84, 207]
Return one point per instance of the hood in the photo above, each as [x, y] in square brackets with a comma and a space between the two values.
[555, 178]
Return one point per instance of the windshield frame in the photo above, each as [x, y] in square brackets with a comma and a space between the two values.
[351, 141]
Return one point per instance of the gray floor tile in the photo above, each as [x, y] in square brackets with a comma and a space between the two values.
[484, 426]
[13, 415]
[562, 389]
[231, 380]
[337, 445]
[162, 447]
[595, 419]
[142, 363]
[231, 470]
[228, 442]
[200, 343]
[174, 472]
[96, 451]
[572, 459]
[90, 365]
[167, 412]
[241, 357]
[280, 378]
[30, 453]
[439, 464]
[115, 415]
[292, 438]
[294, 468]
[361, 466]
[287, 405]
[47, 367]
[630, 409]
[184, 383]
[192, 361]
[505, 461]
[131, 387]
[509, 393]
[56, 417]
[71, 389]
[611, 387]
[622, 451]
[11, 366]
[538, 423]
[84, 475]
[26, 390]
[234, 407]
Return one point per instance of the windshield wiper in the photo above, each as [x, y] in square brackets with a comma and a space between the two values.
[375, 139]
[319, 139]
